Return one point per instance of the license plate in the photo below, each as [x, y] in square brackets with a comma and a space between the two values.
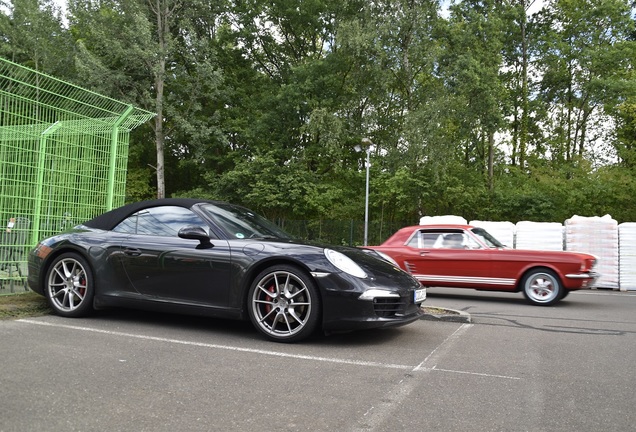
[420, 295]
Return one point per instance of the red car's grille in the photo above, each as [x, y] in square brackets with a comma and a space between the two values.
[389, 307]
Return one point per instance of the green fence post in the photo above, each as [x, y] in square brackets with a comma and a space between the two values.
[42, 150]
[113, 156]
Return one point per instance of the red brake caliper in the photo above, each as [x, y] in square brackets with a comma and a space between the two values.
[268, 307]
[83, 283]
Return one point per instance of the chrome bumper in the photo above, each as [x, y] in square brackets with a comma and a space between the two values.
[589, 275]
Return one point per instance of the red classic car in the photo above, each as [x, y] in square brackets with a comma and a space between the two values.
[465, 256]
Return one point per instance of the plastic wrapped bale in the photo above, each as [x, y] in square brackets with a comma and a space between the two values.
[502, 231]
[445, 219]
[597, 236]
[627, 256]
[539, 236]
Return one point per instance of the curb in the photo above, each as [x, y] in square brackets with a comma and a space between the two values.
[443, 314]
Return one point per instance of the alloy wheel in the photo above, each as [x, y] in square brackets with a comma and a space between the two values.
[67, 285]
[282, 305]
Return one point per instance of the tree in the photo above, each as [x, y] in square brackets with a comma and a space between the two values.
[262, 102]
[154, 54]
[32, 34]
[473, 63]
[626, 134]
[517, 64]
[582, 54]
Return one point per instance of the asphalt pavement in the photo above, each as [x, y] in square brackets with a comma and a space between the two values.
[513, 367]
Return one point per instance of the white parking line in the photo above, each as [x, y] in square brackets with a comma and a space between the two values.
[224, 347]
[442, 348]
[435, 368]
[605, 292]
[432, 357]
[378, 415]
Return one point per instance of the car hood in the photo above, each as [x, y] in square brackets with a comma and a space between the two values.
[312, 254]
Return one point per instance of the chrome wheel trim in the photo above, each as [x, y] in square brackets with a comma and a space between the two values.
[281, 304]
[67, 284]
[542, 288]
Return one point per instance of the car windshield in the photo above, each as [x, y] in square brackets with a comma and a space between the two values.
[241, 223]
[485, 237]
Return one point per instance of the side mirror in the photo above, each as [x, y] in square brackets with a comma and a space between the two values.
[196, 233]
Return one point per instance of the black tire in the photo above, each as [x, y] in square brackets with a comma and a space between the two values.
[542, 287]
[69, 286]
[283, 304]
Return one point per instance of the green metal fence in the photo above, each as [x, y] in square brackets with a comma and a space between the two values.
[63, 160]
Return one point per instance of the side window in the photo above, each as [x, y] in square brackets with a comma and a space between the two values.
[165, 221]
[471, 243]
[429, 240]
[415, 240]
[454, 240]
[424, 240]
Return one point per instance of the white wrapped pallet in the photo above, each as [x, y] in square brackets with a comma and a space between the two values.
[627, 256]
[539, 236]
[598, 236]
[445, 219]
[502, 231]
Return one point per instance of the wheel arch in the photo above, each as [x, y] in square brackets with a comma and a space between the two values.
[46, 264]
[262, 265]
[537, 267]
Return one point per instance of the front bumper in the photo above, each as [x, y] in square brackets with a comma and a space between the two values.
[368, 305]
[34, 266]
[587, 280]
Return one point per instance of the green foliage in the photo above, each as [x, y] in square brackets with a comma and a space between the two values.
[583, 54]
[138, 182]
[487, 112]
[626, 133]
[281, 190]
[31, 33]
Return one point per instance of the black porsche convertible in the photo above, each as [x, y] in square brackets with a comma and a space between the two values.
[218, 259]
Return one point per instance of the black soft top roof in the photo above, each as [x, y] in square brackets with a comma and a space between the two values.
[111, 219]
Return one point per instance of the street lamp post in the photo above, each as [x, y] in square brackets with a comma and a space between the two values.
[367, 143]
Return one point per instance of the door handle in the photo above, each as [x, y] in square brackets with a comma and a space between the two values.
[423, 253]
[132, 251]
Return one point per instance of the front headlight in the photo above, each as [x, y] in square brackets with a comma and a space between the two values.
[587, 265]
[344, 263]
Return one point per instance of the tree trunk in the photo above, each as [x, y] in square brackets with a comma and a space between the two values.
[159, 138]
[162, 12]
[491, 161]
[523, 132]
